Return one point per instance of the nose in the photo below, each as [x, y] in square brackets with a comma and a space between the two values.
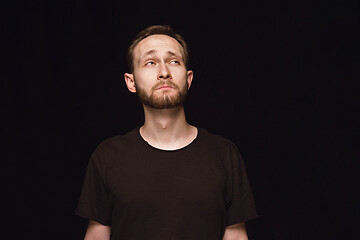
[164, 73]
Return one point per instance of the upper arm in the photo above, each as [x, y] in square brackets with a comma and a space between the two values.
[97, 231]
[235, 232]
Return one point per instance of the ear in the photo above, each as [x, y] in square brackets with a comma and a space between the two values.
[130, 83]
[189, 77]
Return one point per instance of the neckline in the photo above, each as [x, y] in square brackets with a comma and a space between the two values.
[148, 146]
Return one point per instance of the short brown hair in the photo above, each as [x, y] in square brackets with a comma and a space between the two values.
[153, 30]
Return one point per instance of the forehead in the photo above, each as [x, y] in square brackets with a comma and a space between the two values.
[159, 43]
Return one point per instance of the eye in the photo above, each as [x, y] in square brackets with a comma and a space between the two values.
[149, 63]
[174, 62]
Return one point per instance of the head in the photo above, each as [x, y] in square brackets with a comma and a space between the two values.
[156, 30]
[158, 59]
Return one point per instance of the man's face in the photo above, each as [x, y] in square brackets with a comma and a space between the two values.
[160, 77]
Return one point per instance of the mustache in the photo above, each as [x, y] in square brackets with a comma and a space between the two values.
[168, 83]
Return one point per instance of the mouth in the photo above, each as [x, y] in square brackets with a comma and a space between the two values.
[165, 87]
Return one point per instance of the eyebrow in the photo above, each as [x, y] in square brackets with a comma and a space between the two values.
[153, 51]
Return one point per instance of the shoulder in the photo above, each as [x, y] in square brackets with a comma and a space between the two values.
[215, 140]
[217, 145]
[119, 144]
[220, 148]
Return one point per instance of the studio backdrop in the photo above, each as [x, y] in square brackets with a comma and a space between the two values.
[275, 77]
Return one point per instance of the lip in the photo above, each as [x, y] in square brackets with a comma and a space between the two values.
[165, 87]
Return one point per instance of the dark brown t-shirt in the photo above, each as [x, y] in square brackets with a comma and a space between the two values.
[142, 192]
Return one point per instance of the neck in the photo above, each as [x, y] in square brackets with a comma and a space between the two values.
[166, 128]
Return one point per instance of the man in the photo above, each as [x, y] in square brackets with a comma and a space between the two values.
[166, 180]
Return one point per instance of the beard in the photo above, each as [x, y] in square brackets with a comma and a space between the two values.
[163, 100]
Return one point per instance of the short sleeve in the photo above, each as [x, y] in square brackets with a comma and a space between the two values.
[93, 202]
[242, 206]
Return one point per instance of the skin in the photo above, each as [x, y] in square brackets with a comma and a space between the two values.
[97, 231]
[158, 61]
[163, 128]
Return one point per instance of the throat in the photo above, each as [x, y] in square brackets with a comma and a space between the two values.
[170, 140]
[167, 128]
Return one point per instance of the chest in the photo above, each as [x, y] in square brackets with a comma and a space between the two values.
[155, 182]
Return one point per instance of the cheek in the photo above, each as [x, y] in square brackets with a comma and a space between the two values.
[144, 78]
[179, 73]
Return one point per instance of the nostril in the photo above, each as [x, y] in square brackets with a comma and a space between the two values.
[164, 76]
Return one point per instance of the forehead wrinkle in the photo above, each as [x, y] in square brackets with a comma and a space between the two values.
[151, 52]
[148, 53]
[174, 54]
[153, 41]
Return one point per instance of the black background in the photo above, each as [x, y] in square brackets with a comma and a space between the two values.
[278, 78]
